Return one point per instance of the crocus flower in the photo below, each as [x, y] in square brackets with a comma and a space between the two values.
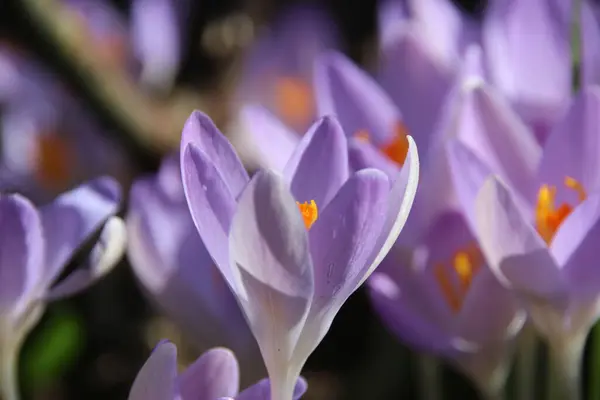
[528, 48]
[213, 376]
[36, 244]
[292, 246]
[43, 151]
[433, 289]
[535, 213]
[277, 71]
[173, 266]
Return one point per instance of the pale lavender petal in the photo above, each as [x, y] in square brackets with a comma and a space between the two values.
[157, 41]
[344, 90]
[514, 250]
[21, 251]
[390, 13]
[105, 255]
[417, 83]
[590, 43]
[489, 127]
[73, 217]
[262, 390]
[156, 379]
[215, 374]
[529, 53]
[319, 166]
[272, 269]
[200, 131]
[364, 155]
[575, 247]
[573, 148]
[211, 204]
[274, 141]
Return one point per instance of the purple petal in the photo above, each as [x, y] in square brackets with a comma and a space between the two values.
[417, 83]
[73, 217]
[589, 44]
[364, 155]
[573, 147]
[173, 265]
[272, 269]
[199, 131]
[211, 204]
[274, 141]
[391, 14]
[21, 252]
[262, 390]
[107, 252]
[156, 379]
[343, 90]
[514, 250]
[319, 166]
[529, 52]
[486, 124]
[215, 374]
[575, 247]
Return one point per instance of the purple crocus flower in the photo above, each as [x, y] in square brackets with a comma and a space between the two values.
[433, 289]
[36, 244]
[278, 69]
[535, 213]
[292, 270]
[173, 266]
[213, 376]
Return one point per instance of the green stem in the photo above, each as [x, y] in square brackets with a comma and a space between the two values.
[526, 364]
[429, 377]
[576, 45]
[9, 381]
[594, 384]
[564, 377]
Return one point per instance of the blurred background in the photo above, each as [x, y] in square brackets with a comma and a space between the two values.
[91, 87]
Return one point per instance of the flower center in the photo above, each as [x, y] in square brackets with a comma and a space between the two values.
[455, 276]
[309, 212]
[53, 168]
[396, 149]
[548, 217]
[294, 101]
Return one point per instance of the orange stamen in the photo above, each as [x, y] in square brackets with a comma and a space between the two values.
[397, 149]
[53, 168]
[549, 217]
[464, 266]
[294, 101]
[309, 212]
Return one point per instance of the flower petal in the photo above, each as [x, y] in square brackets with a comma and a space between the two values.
[344, 90]
[262, 390]
[73, 217]
[400, 201]
[274, 141]
[572, 148]
[272, 269]
[575, 247]
[529, 52]
[21, 252]
[211, 204]
[515, 252]
[319, 166]
[156, 379]
[487, 124]
[364, 155]
[107, 252]
[215, 374]
[199, 131]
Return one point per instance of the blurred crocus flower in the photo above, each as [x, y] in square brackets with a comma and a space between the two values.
[36, 244]
[213, 376]
[537, 217]
[292, 247]
[49, 143]
[172, 264]
[277, 73]
[433, 289]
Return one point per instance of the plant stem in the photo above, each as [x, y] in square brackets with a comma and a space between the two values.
[527, 356]
[564, 377]
[429, 377]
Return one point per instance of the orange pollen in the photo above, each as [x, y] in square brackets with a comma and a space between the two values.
[455, 277]
[548, 217]
[309, 212]
[53, 168]
[294, 101]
